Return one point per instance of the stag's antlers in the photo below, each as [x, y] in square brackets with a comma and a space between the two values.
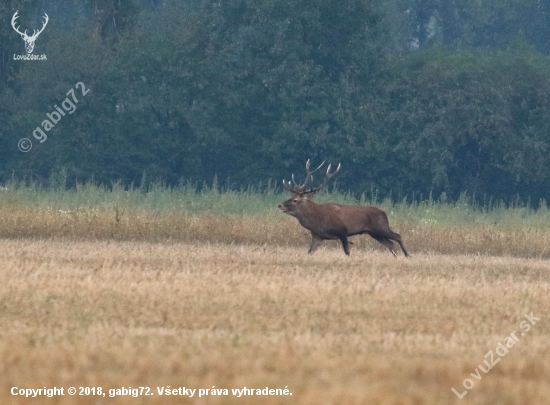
[301, 188]
[15, 17]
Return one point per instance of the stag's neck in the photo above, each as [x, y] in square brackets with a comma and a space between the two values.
[310, 215]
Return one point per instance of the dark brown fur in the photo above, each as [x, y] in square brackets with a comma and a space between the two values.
[337, 221]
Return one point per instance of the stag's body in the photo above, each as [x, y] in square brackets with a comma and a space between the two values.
[337, 221]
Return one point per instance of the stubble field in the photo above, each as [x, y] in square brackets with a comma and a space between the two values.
[104, 298]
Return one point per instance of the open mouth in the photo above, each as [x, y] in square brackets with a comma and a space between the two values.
[282, 208]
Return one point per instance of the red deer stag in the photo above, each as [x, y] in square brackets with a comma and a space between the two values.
[336, 221]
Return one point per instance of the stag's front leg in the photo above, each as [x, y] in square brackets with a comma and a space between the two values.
[315, 243]
[345, 244]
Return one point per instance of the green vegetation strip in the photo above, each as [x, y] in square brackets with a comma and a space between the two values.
[212, 215]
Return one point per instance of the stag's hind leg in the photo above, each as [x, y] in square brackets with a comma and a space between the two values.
[388, 243]
[396, 237]
[384, 240]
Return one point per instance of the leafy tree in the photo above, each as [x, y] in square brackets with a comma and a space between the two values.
[252, 85]
[463, 23]
[471, 122]
[248, 90]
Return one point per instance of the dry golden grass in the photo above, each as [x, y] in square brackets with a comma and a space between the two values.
[271, 229]
[365, 329]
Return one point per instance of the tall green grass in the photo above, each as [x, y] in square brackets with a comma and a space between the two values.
[211, 214]
[158, 198]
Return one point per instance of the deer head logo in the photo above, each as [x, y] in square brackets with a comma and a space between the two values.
[29, 40]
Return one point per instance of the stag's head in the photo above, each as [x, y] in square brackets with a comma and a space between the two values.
[29, 40]
[301, 193]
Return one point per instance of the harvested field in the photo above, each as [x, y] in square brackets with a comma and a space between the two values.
[365, 329]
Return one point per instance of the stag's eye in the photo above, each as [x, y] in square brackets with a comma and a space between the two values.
[295, 200]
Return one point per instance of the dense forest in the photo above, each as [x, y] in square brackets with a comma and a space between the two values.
[413, 97]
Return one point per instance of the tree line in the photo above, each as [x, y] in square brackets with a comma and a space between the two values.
[414, 98]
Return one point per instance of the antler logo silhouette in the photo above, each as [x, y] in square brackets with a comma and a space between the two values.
[29, 40]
